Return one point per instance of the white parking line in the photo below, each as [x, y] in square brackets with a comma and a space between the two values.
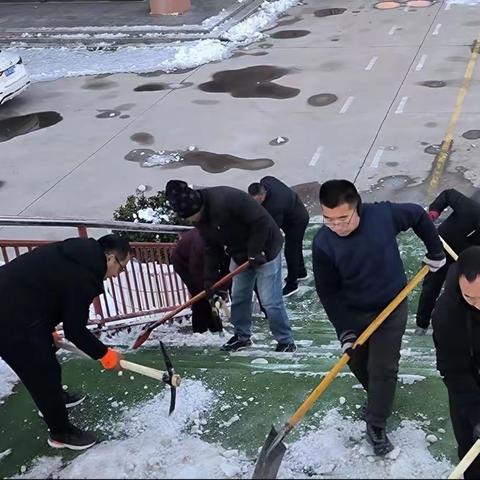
[421, 63]
[347, 104]
[371, 63]
[316, 156]
[393, 29]
[401, 105]
[437, 29]
[376, 159]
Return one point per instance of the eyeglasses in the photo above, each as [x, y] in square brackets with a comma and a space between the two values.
[338, 223]
[122, 267]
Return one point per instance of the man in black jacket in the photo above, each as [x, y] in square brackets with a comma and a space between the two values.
[461, 229]
[56, 283]
[227, 217]
[456, 333]
[290, 214]
[358, 271]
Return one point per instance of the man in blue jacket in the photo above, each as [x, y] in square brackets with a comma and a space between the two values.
[358, 271]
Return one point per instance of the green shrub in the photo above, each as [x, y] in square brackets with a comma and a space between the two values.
[128, 212]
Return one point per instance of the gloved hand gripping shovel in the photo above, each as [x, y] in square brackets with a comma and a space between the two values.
[143, 337]
[274, 449]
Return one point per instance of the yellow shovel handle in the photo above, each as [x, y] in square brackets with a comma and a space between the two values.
[313, 397]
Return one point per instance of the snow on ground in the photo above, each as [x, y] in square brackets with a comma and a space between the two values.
[7, 380]
[52, 63]
[337, 449]
[149, 444]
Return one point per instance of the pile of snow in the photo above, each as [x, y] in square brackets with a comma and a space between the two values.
[337, 449]
[52, 63]
[7, 380]
[150, 444]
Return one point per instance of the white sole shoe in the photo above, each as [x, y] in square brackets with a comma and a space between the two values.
[291, 293]
[55, 444]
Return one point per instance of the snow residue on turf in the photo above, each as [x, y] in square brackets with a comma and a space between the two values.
[337, 449]
[173, 335]
[150, 444]
[7, 380]
[51, 63]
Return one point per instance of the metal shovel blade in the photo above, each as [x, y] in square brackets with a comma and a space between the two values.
[269, 460]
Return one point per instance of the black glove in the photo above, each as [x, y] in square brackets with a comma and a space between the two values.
[257, 260]
[435, 261]
[347, 339]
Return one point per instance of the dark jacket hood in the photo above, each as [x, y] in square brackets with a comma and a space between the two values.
[87, 253]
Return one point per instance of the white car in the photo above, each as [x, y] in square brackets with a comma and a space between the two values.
[13, 76]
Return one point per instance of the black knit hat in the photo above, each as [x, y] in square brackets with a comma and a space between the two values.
[184, 200]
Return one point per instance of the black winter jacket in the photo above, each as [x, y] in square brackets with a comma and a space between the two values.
[282, 203]
[53, 283]
[233, 219]
[461, 229]
[456, 333]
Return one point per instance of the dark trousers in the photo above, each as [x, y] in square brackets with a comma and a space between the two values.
[463, 431]
[431, 288]
[35, 363]
[294, 233]
[203, 318]
[375, 364]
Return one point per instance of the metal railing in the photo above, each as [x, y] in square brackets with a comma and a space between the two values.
[149, 284]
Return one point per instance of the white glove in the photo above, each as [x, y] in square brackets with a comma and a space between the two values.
[435, 261]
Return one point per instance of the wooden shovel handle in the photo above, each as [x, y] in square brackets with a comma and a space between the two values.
[313, 397]
[466, 461]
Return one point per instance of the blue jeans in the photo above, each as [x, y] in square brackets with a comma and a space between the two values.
[269, 285]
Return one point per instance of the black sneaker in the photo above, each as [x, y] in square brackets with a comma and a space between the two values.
[289, 289]
[235, 344]
[420, 331]
[286, 347]
[71, 400]
[74, 439]
[303, 275]
[377, 438]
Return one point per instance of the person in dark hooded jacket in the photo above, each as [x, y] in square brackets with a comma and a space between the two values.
[231, 221]
[461, 229]
[456, 334]
[56, 283]
[187, 260]
[290, 214]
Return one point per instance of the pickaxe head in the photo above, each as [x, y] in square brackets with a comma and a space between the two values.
[170, 378]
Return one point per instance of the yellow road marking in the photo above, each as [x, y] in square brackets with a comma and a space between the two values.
[447, 142]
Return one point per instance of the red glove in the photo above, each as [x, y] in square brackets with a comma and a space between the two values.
[433, 215]
[111, 359]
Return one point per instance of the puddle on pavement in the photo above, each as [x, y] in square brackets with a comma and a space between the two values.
[289, 21]
[2, 183]
[15, 126]
[100, 84]
[284, 34]
[143, 138]
[159, 73]
[433, 149]
[331, 66]
[265, 45]
[207, 161]
[471, 134]
[108, 113]
[433, 83]
[251, 82]
[431, 124]
[115, 112]
[326, 12]
[277, 141]
[322, 99]
[156, 87]
[248, 54]
[391, 164]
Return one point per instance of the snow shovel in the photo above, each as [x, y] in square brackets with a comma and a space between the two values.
[449, 249]
[274, 448]
[466, 461]
[143, 337]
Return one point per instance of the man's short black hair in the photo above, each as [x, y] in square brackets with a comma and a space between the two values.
[255, 189]
[469, 263]
[337, 192]
[115, 244]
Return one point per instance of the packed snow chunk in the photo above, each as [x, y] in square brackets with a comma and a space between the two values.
[431, 438]
[260, 361]
[7, 379]
[3, 454]
[345, 453]
[232, 420]
[150, 444]
[42, 467]
[342, 400]
[410, 379]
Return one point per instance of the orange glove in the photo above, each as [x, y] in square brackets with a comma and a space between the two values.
[111, 359]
